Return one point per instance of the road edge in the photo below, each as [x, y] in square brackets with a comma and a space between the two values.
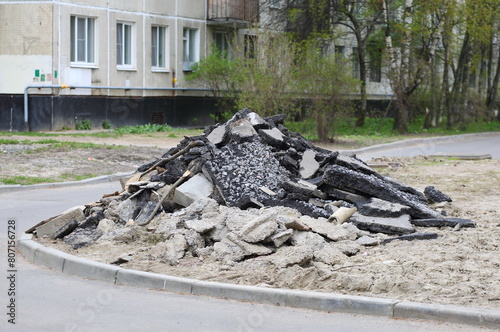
[69, 264]
[416, 141]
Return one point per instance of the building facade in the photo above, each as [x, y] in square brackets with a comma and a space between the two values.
[126, 45]
[124, 61]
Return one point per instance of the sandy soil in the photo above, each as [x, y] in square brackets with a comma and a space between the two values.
[460, 267]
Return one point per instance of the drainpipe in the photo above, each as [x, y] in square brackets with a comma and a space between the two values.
[26, 124]
[64, 86]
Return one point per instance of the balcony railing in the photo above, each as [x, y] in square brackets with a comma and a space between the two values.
[233, 11]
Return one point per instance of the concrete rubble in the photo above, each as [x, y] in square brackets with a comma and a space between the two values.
[251, 188]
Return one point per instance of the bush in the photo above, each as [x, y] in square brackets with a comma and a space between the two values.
[106, 124]
[83, 125]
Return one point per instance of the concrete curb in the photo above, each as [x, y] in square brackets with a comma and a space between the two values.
[417, 141]
[69, 264]
[96, 180]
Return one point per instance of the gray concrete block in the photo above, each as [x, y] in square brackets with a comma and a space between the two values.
[27, 247]
[195, 188]
[55, 224]
[218, 135]
[448, 313]
[240, 292]
[340, 303]
[89, 269]
[243, 131]
[308, 165]
[127, 277]
[400, 225]
[51, 258]
[179, 285]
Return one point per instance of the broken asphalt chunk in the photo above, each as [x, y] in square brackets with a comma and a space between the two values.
[435, 196]
[370, 185]
[443, 222]
[411, 237]
[400, 225]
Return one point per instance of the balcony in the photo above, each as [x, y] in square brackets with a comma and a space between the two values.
[233, 12]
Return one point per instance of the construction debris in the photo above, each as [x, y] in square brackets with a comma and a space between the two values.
[250, 187]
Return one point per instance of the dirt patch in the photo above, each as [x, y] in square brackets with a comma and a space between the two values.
[43, 161]
[460, 267]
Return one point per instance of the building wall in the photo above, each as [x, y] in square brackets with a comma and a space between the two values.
[25, 45]
[42, 55]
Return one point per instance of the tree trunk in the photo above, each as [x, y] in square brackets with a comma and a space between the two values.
[401, 116]
[456, 97]
[493, 91]
[363, 77]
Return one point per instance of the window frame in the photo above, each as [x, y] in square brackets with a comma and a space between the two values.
[122, 47]
[222, 43]
[90, 44]
[190, 47]
[157, 48]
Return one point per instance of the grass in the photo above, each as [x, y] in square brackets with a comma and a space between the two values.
[73, 177]
[52, 144]
[24, 180]
[118, 132]
[380, 129]
[30, 180]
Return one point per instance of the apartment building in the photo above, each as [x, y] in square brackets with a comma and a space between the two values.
[135, 54]
[124, 61]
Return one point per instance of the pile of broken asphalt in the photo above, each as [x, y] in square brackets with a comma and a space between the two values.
[251, 188]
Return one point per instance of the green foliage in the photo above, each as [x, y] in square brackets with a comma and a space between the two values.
[383, 127]
[24, 180]
[324, 81]
[269, 82]
[143, 129]
[9, 141]
[73, 177]
[83, 125]
[222, 75]
[106, 124]
[274, 80]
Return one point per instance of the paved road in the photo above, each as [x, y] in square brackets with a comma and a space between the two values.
[51, 301]
[456, 145]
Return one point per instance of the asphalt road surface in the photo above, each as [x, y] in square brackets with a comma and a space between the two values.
[46, 300]
[453, 145]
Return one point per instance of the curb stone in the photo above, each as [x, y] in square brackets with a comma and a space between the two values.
[69, 264]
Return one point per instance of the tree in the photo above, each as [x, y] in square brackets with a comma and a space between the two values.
[416, 47]
[325, 82]
[362, 18]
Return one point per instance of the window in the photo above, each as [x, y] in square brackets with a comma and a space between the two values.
[190, 46]
[82, 40]
[355, 62]
[250, 46]
[221, 42]
[158, 49]
[339, 52]
[124, 55]
[375, 65]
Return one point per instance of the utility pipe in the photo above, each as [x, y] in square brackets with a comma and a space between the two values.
[64, 86]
